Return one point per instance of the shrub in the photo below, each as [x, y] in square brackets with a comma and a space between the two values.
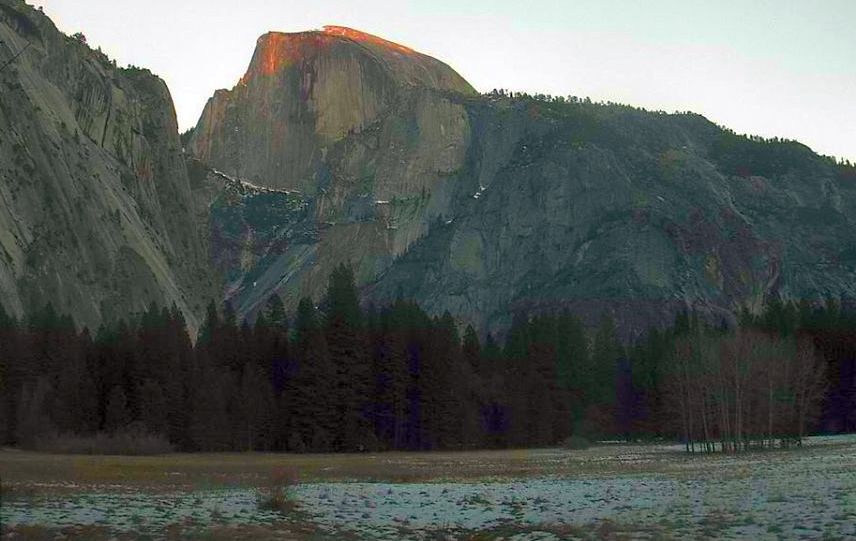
[576, 443]
[277, 495]
[131, 440]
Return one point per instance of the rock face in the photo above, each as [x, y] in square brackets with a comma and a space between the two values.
[362, 135]
[607, 209]
[96, 214]
[343, 147]
[303, 93]
[338, 146]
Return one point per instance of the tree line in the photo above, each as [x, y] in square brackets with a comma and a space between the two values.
[337, 377]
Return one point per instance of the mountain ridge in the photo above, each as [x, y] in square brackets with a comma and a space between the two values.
[594, 176]
[337, 146]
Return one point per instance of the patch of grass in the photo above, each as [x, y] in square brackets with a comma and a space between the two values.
[22, 491]
[276, 531]
[33, 532]
[601, 530]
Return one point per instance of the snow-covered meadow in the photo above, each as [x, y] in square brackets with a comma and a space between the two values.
[637, 491]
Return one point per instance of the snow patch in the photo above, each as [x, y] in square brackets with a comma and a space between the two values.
[245, 185]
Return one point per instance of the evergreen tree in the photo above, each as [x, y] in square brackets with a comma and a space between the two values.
[254, 409]
[316, 405]
[117, 415]
[33, 423]
[601, 398]
[439, 382]
[518, 373]
[274, 312]
[210, 325]
[391, 382]
[176, 385]
[75, 400]
[349, 356]
[211, 423]
[11, 375]
[153, 406]
[573, 370]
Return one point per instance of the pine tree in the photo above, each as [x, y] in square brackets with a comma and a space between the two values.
[211, 422]
[603, 370]
[545, 404]
[178, 379]
[439, 386]
[75, 400]
[572, 357]
[518, 374]
[254, 409]
[471, 349]
[494, 409]
[391, 382]
[210, 325]
[349, 355]
[153, 406]
[274, 312]
[33, 423]
[317, 407]
[11, 375]
[117, 415]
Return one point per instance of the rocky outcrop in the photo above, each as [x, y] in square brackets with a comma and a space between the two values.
[304, 92]
[365, 133]
[485, 205]
[95, 205]
[608, 209]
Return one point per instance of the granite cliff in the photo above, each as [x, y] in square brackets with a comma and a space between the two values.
[339, 146]
[95, 205]
[345, 146]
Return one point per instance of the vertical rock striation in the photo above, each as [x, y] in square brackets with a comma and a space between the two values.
[95, 206]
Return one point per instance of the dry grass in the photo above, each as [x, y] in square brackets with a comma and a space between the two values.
[75, 533]
[58, 472]
[192, 471]
[603, 530]
[178, 532]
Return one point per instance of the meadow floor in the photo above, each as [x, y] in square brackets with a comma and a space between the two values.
[613, 491]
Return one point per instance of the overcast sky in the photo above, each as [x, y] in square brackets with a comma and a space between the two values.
[768, 67]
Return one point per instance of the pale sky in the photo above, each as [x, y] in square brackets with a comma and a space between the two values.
[768, 67]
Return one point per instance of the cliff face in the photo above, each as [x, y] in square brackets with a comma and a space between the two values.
[362, 134]
[95, 205]
[301, 94]
[337, 146]
[482, 205]
[607, 209]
